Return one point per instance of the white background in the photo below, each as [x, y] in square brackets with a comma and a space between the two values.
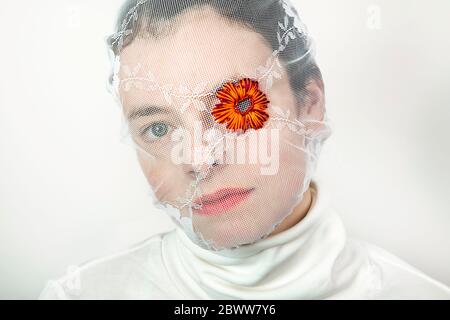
[70, 190]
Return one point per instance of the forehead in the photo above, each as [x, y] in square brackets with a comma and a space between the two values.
[203, 48]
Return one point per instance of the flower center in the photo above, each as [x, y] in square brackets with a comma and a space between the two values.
[244, 105]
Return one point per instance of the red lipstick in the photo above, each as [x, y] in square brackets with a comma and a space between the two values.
[221, 201]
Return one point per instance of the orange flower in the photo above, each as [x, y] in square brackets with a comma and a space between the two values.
[242, 105]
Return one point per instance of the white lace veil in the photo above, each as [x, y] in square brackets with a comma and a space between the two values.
[223, 101]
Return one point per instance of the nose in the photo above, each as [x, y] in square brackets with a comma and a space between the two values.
[203, 171]
[206, 145]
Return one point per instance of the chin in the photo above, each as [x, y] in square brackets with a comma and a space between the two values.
[227, 234]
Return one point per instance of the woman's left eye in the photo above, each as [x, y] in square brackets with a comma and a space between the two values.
[155, 131]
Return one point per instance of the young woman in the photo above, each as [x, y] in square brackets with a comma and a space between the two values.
[225, 106]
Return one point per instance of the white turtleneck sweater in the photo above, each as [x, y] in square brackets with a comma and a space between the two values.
[314, 259]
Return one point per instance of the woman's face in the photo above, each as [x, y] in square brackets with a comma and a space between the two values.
[241, 201]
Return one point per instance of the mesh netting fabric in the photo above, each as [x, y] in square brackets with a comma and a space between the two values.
[223, 101]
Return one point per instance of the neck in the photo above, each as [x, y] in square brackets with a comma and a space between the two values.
[295, 264]
[297, 214]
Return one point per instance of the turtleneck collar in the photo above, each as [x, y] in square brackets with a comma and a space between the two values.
[296, 263]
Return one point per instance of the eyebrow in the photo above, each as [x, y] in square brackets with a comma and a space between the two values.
[154, 109]
[146, 111]
[220, 84]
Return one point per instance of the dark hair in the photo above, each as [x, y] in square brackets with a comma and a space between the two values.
[156, 18]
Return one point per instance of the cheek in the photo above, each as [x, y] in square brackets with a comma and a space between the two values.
[156, 174]
[292, 160]
[292, 147]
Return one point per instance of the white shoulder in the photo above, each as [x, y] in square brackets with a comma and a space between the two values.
[400, 280]
[133, 273]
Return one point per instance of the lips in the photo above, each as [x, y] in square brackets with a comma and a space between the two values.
[221, 201]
